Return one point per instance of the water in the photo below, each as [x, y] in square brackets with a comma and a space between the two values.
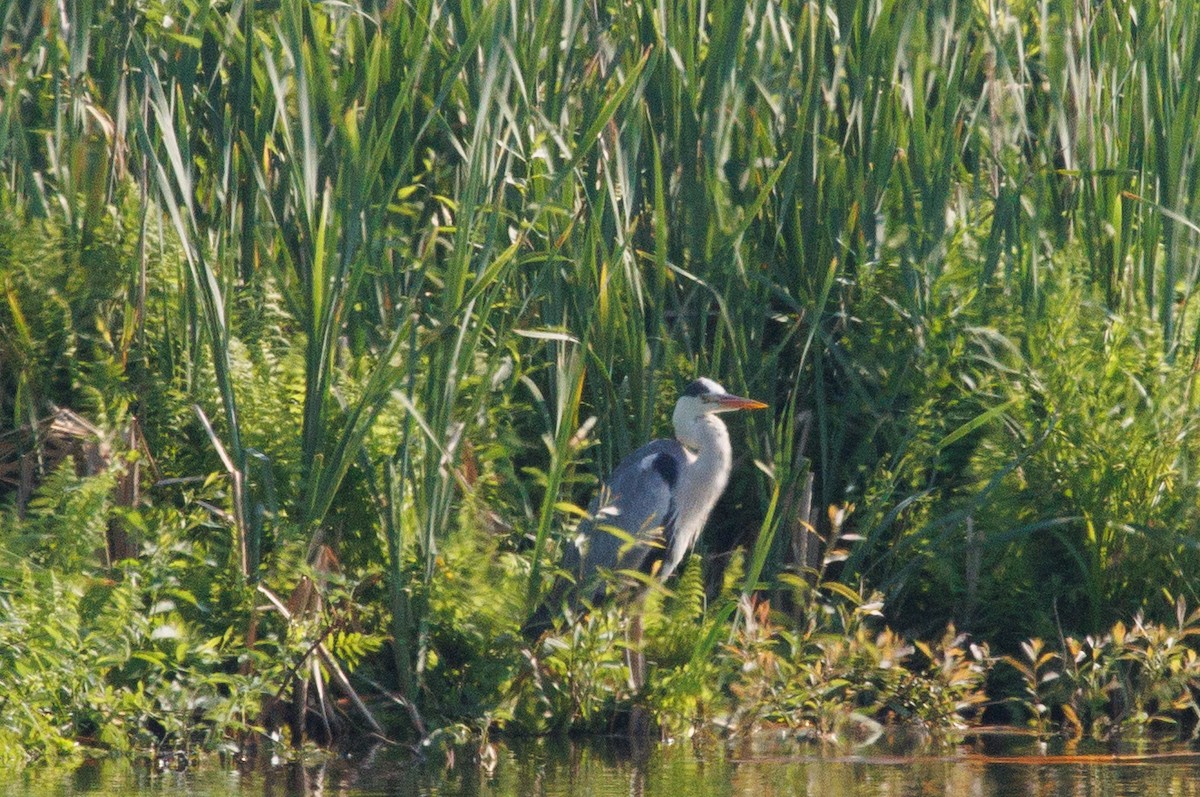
[988, 766]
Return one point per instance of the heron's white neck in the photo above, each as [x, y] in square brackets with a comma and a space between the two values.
[704, 435]
[701, 482]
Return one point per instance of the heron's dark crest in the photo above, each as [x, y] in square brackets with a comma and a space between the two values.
[702, 387]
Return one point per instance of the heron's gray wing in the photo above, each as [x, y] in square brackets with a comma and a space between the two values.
[629, 523]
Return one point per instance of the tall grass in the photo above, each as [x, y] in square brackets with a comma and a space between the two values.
[486, 222]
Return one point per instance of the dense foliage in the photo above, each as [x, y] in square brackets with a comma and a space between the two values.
[321, 320]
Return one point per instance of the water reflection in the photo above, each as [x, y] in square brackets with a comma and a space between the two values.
[980, 769]
[983, 767]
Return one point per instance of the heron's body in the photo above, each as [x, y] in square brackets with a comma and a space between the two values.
[654, 506]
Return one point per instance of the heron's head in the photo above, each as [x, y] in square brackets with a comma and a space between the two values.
[706, 397]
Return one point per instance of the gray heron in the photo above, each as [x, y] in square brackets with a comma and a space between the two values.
[649, 514]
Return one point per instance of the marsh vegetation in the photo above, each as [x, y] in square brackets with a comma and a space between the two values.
[322, 320]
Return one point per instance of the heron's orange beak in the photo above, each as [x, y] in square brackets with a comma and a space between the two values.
[731, 402]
